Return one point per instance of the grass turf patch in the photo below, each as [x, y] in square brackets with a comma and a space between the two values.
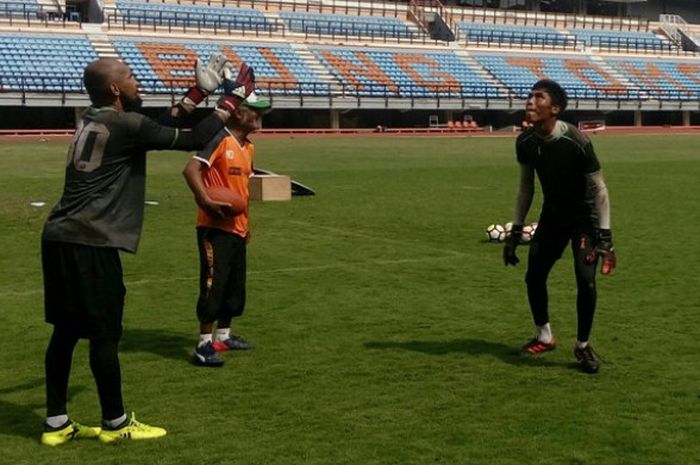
[386, 328]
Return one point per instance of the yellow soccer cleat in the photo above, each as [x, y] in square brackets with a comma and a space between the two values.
[133, 430]
[71, 430]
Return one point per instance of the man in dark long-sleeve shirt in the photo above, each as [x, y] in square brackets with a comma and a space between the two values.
[575, 211]
[100, 213]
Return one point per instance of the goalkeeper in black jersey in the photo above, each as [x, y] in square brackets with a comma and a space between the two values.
[575, 211]
[101, 213]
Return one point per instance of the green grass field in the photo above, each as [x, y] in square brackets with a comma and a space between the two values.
[386, 328]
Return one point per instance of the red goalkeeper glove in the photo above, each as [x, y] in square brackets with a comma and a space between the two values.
[604, 249]
[237, 91]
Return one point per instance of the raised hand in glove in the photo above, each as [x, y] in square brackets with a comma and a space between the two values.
[208, 78]
[512, 241]
[235, 91]
[603, 248]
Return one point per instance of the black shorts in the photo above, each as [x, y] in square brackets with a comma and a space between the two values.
[222, 275]
[551, 238]
[83, 289]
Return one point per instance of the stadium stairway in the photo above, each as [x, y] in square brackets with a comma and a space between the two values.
[100, 41]
[614, 72]
[478, 69]
[322, 73]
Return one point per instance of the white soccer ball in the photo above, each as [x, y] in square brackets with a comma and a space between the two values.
[496, 233]
[528, 233]
[508, 227]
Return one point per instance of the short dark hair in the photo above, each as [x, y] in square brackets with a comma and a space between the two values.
[555, 91]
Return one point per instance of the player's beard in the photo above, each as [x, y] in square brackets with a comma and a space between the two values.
[131, 103]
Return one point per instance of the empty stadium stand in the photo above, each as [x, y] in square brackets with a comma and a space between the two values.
[662, 79]
[177, 15]
[580, 76]
[557, 20]
[418, 73]
[46, 63]
[349, 25]
[20, 8]
[347, 53]
[513, 35]
[631, 41]
[166, 66]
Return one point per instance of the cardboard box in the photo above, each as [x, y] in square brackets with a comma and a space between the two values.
[270, 187]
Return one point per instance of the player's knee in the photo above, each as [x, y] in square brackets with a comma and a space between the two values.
[535, 279]
[586, 282]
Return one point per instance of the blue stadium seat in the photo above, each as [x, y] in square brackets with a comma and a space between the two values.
[626, 40]
[29, 8]
[347, 25]
[208, 17]
[402, 73]
[45, 62]
[581, 77]
[507, 34]
[662, 79]
[268, 76]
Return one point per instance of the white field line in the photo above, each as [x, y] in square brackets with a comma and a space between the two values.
[433, 251]
[361, 235]
[293, 269]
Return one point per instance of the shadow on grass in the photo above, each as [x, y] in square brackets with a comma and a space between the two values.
[473, 347]
[22, 419]
[166, 344]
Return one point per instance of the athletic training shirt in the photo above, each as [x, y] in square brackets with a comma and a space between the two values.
[230, 164]
[105, 181]
[562, 162]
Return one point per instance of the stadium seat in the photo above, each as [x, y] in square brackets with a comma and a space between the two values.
[208, 17]
[26, 9]
[625, 40]
[405, 73]
[166, 66]
[507, 34]
[579, 75]
[45, 63]
[662, 79]
[347, 25]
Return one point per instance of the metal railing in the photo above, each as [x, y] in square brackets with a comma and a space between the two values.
[252, 26]
[631, 45]
[518, 40]
[394, 9]
[173, 89]
[186, 22]
[326, 28]
[486, 15]
[20, 9]
[21, 14]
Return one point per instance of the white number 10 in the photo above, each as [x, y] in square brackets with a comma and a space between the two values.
[88, 148]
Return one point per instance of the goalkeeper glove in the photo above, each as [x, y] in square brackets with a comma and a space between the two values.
[237, 91]
[208, 79]
[603, 248]
[512, 241]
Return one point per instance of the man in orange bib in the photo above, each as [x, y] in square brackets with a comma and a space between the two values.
[221, 236]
